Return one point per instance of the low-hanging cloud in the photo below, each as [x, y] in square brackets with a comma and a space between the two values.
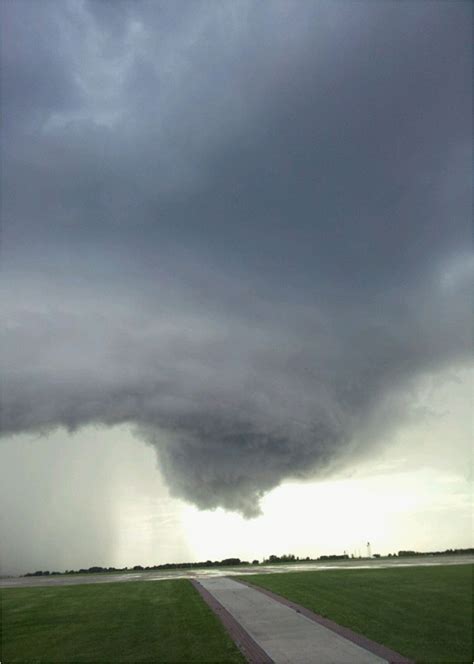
[232, 408]
[248, 239]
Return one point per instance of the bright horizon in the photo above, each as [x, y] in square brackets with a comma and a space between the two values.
[388, 501]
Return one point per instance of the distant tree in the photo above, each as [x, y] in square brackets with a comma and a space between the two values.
[255, 562]
[285, 558]
[230, 561]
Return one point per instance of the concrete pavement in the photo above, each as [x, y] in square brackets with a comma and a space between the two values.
[286, 636]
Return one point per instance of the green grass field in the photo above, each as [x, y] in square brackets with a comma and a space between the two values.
[424, 613]
[164, 621]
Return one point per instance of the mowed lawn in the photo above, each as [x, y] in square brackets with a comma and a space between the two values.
[161, 621]
[424, 613]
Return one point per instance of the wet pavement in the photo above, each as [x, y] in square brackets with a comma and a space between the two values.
[161, 575]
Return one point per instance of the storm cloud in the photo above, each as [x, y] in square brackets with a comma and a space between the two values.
[242, 229]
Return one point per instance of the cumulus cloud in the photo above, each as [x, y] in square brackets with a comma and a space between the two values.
[244, 230]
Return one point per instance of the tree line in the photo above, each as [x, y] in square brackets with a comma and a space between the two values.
[227, 562]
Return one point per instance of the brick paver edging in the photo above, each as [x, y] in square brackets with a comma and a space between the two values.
[252, 652]
[360, 640]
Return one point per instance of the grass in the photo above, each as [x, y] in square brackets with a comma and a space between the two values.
[424, 613]
[165, 621]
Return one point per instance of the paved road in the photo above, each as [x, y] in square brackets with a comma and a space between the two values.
[286, 636]
[160, 575]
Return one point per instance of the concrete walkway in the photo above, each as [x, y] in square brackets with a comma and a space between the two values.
[286, 636]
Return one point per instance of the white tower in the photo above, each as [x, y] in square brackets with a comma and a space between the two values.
[369, 552]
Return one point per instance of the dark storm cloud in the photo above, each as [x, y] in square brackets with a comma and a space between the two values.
[243, 229]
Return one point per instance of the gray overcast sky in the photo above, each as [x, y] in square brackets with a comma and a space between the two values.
[240, 230]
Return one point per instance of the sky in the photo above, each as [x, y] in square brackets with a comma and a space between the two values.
[236, 261]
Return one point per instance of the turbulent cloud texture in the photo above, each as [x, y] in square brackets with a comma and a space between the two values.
[243, 229]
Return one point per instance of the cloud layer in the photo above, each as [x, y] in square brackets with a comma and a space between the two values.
[244, 230]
